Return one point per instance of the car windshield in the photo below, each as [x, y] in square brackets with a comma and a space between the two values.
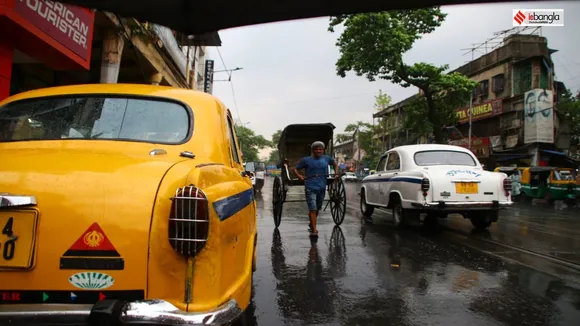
[95, 117]
[444, 157]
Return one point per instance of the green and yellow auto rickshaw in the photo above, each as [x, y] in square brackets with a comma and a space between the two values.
[550, 183]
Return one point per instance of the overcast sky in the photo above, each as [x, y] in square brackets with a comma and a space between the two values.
[289, 73]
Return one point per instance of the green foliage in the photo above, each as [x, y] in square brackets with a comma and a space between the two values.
[569, 109]
[274, 155]
[382, 101]
[373, 45]
[250, 143]
[450, 92]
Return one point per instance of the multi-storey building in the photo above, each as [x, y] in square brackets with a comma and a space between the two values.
[512, 116]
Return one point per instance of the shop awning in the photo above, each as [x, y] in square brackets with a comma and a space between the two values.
[512, 157]
[553, 152]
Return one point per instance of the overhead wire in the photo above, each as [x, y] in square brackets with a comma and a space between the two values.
[231, 84]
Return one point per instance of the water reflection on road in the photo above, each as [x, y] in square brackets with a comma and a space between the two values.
[361, 274]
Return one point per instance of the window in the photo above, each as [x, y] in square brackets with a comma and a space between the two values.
[497, 83]
[95, 117]
[250, 166]
[443, 157]
[232, 136]
[522, 76]
[381, 164]
[394, 162]
[544, 76]
[484, 87]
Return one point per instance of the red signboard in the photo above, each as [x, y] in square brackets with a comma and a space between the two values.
[479, 146]
[481, 111]
[69, 25]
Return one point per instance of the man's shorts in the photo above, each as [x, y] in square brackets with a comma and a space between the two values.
[315, 198]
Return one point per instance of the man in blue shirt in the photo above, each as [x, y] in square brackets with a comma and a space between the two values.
[316, 168]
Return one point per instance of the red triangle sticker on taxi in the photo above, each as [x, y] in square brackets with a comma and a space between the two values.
[92, 243]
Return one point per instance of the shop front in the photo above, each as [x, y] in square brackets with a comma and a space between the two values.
[50, 35]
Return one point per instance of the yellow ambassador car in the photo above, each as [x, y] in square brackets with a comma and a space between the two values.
[123, 204]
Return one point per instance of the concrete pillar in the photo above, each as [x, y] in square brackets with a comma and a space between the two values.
[113, 44]
[6, 53]
[156, 79]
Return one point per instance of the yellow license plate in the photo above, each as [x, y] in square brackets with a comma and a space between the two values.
[17, 237]
[466, 188]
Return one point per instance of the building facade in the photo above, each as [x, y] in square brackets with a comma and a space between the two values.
[46, 43]
[348, 153]
[513, 120]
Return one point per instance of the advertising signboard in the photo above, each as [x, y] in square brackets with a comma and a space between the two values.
[481, 111]
[69, 25]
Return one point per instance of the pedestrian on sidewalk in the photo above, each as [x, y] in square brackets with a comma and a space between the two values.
[315, 179]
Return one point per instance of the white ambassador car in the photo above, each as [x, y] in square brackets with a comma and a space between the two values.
[436, 180]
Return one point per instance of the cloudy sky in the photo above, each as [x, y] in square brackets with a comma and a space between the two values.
[289, 73]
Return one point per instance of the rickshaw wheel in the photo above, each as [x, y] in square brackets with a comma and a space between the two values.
[337, 194]
[277, 201]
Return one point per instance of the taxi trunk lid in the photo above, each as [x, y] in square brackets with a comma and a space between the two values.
[452, 184]
[86, 238]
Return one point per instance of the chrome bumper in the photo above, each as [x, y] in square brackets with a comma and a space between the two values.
[452, 206]
[157, 312]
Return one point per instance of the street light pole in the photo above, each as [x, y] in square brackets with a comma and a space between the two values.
[470, 114]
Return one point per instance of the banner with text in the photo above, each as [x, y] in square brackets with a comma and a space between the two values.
[69, 25]
[539, 116]
[481, 111]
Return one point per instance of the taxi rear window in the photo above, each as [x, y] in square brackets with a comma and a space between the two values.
[95, 117]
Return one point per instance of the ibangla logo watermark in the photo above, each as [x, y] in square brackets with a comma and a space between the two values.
[538, 17]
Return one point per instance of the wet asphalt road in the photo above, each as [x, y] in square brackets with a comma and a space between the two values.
[372, 274]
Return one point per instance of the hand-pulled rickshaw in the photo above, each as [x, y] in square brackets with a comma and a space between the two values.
[550, 183]
[294, 144]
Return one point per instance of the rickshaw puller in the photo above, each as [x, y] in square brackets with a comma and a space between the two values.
[316, 168]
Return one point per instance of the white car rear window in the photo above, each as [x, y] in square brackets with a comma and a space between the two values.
[443, 157]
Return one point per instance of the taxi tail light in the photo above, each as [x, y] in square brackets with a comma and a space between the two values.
[507, 186]
[188, 221]
[425, 185]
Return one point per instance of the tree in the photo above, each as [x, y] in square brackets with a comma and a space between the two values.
[274, 155]
[365, 141]
[250, 143]
[373, 45]
[382, 101]
[569, 109]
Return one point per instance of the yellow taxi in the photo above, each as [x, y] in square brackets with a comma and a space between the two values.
[123, 204]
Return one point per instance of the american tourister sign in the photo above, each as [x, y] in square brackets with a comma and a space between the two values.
[69, 25]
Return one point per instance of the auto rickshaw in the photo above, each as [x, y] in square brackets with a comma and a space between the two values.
[550, 183]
